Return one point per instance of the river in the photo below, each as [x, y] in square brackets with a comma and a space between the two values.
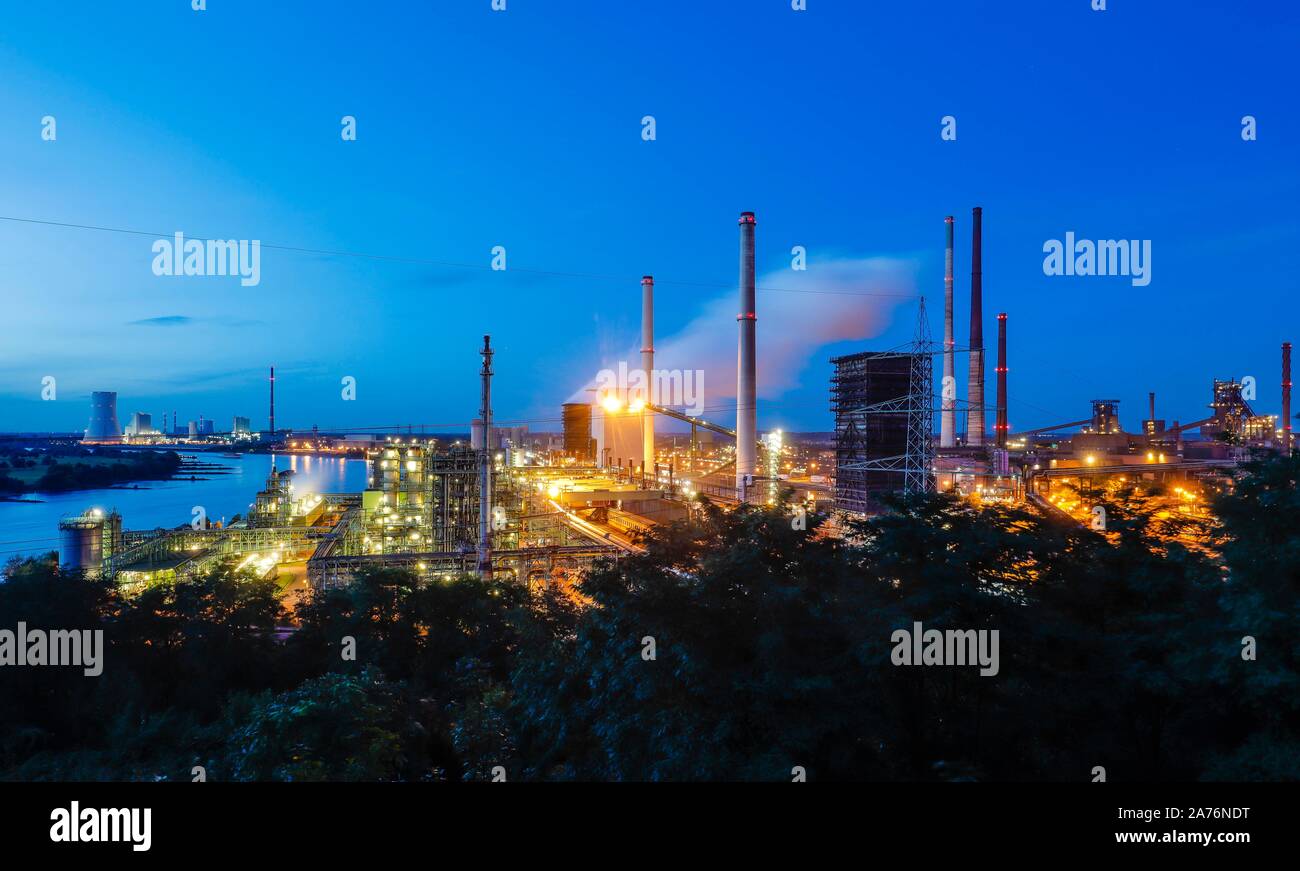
[31, 527]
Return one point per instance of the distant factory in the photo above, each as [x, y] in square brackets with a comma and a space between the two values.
[499, 506]
[537, 509]
[104, 428]
[883, 406]
[615, 431]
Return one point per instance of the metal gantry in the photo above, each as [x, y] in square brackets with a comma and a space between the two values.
[885, 444]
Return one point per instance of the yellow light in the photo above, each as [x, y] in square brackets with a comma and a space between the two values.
[1090, 459]
[637, 405]
[553, 491]
[611, 404]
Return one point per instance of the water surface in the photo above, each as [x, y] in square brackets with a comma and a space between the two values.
[31, 527]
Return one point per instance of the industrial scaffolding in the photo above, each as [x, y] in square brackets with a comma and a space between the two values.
[425, 498]
[883, 403]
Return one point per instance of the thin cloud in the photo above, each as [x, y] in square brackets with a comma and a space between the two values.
[163, 321]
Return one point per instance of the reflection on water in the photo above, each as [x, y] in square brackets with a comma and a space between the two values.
[32, 527]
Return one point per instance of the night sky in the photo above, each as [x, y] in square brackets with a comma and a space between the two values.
[523, 129]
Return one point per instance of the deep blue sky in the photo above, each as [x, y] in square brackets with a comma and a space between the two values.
[522, 128]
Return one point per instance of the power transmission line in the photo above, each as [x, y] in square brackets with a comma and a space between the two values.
[426, 261]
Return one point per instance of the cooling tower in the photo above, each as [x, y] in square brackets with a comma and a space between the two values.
[746, 378]
[103, 418]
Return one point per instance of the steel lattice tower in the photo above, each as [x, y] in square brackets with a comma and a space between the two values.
[918, 476]
[885, 444]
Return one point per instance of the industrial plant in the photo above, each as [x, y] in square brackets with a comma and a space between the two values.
[883, 405]
[518, 505]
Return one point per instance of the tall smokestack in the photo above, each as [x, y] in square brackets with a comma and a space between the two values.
[1151, 397]
[746, 378]
[948, 418]
[975, 416]
[1286, 398]
[485, 466]
[648, 367]
[1000, 424]
[272, 403]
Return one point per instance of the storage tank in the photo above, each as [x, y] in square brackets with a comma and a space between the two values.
[81, 541]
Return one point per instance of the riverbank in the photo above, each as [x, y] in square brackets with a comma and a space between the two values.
[29, 523]
[72, 469]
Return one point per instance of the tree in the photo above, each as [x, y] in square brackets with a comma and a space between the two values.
[334, 727]
[1261, 608]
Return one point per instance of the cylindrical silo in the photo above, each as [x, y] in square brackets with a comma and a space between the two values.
[81, 542]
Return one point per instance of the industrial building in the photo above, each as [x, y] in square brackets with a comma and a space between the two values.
[141, 424]
[495, 506]
[502, 507]
[877, 449]
[619, 430]
[870, 425]
[578, 443]
[429, 507]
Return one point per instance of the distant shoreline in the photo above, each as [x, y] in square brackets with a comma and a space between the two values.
[70, 473]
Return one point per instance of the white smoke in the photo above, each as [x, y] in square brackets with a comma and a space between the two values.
[804, 311]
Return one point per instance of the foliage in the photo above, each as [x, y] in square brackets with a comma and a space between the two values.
[771, 650]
